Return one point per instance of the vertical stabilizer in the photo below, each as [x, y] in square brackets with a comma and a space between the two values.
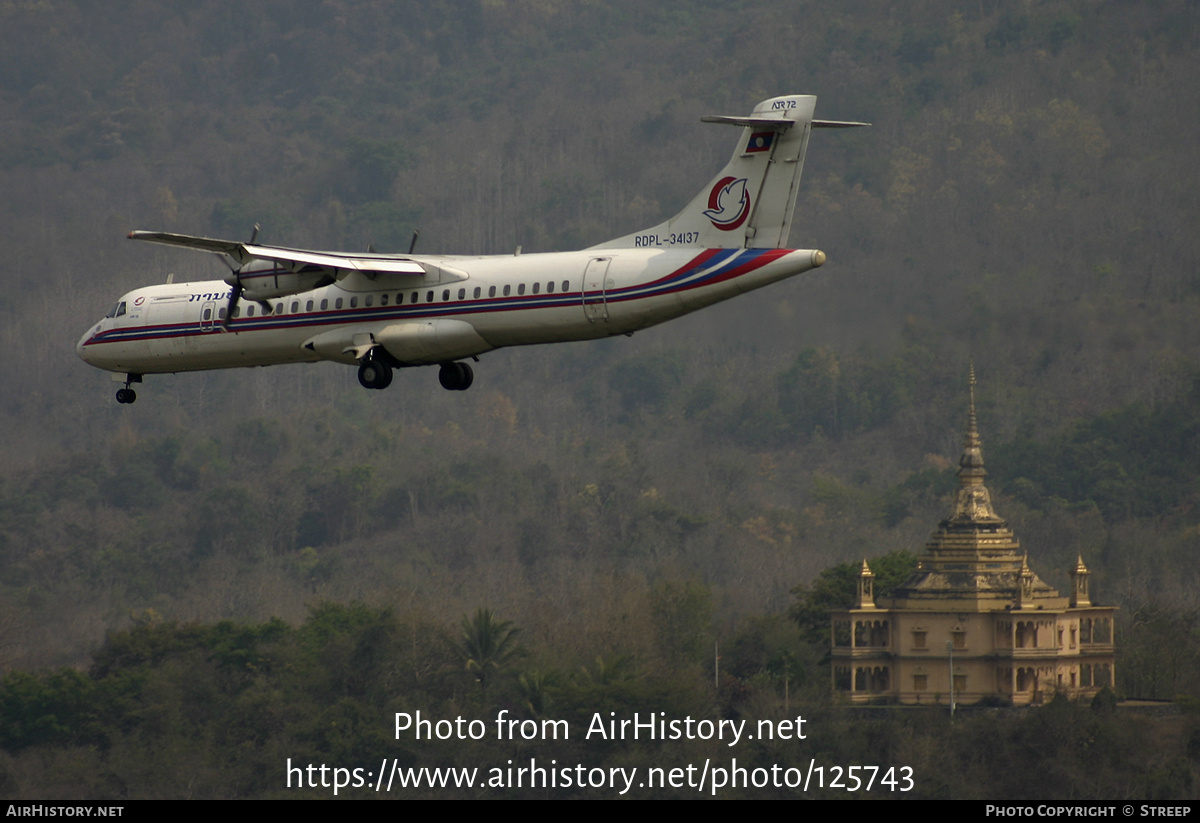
[749, 204]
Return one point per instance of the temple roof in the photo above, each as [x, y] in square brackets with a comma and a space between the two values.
[973, 561]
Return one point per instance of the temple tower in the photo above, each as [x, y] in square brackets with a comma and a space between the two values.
[973, 600]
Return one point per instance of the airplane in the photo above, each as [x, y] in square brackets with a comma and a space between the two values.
[380, 312]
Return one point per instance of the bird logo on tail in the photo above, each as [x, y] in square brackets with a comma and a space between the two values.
[728, 203]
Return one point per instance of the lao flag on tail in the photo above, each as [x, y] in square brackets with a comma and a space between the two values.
[760, 141]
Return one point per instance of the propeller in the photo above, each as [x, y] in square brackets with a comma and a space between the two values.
[233, 301]
[236, 292]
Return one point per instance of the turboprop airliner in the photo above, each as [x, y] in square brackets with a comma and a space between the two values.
[380, 312]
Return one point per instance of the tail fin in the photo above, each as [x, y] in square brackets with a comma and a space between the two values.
[750, 203]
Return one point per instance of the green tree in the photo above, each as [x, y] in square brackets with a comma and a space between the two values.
[374, 165]
[682, 612]
[834, 588]
[487, 646]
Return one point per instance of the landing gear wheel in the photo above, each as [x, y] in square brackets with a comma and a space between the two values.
[374, 374]
[456, 376]
[128, 395]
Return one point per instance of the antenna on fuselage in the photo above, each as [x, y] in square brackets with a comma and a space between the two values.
[413, 244]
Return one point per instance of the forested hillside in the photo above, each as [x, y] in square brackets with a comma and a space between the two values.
[1026, 197]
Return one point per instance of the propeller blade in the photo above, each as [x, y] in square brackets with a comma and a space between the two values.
[233, 301]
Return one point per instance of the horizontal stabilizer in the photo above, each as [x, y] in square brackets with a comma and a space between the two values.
[837, 124]
[777, 123]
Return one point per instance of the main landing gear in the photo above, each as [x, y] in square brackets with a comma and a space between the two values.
[456, 376]
[128, 395]
[374, 374]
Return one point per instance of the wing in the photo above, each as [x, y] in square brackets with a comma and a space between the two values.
[335, 265]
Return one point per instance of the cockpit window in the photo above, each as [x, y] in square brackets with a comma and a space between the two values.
[117, 310]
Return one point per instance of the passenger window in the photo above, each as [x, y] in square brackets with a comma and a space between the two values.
[208, 314]
[354, 302]
[308, 306]
[237, 311]
[383, 299]
[462, 294]
[550, 287]
[428, 297]
[221, 314]
[337, 304]
[445, 295]
[295, 306]
[536, 286]
[521, 288]
[477, 292]
[249, 311]
[566, 285]
[324, 305]
[507, 290]
[491, 291]
[279, 308]
[412, 298]
[370, 300]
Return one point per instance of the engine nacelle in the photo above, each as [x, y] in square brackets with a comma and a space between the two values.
[411, 342]
[263, 280]
[432, 341]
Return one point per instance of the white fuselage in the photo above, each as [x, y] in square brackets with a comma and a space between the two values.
[466, 306]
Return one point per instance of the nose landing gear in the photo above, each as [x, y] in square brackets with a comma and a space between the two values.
[128, 395]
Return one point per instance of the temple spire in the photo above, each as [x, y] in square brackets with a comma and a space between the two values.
[972, 501]
[1080, 597]
[866, 587]
[972, 423]
[971, 462]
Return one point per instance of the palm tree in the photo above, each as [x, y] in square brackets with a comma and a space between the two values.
[487, 646]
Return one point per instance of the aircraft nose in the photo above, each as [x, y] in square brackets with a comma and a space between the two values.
[81, 347]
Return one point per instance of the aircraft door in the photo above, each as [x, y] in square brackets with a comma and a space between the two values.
[595, 281]
[208, 315]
